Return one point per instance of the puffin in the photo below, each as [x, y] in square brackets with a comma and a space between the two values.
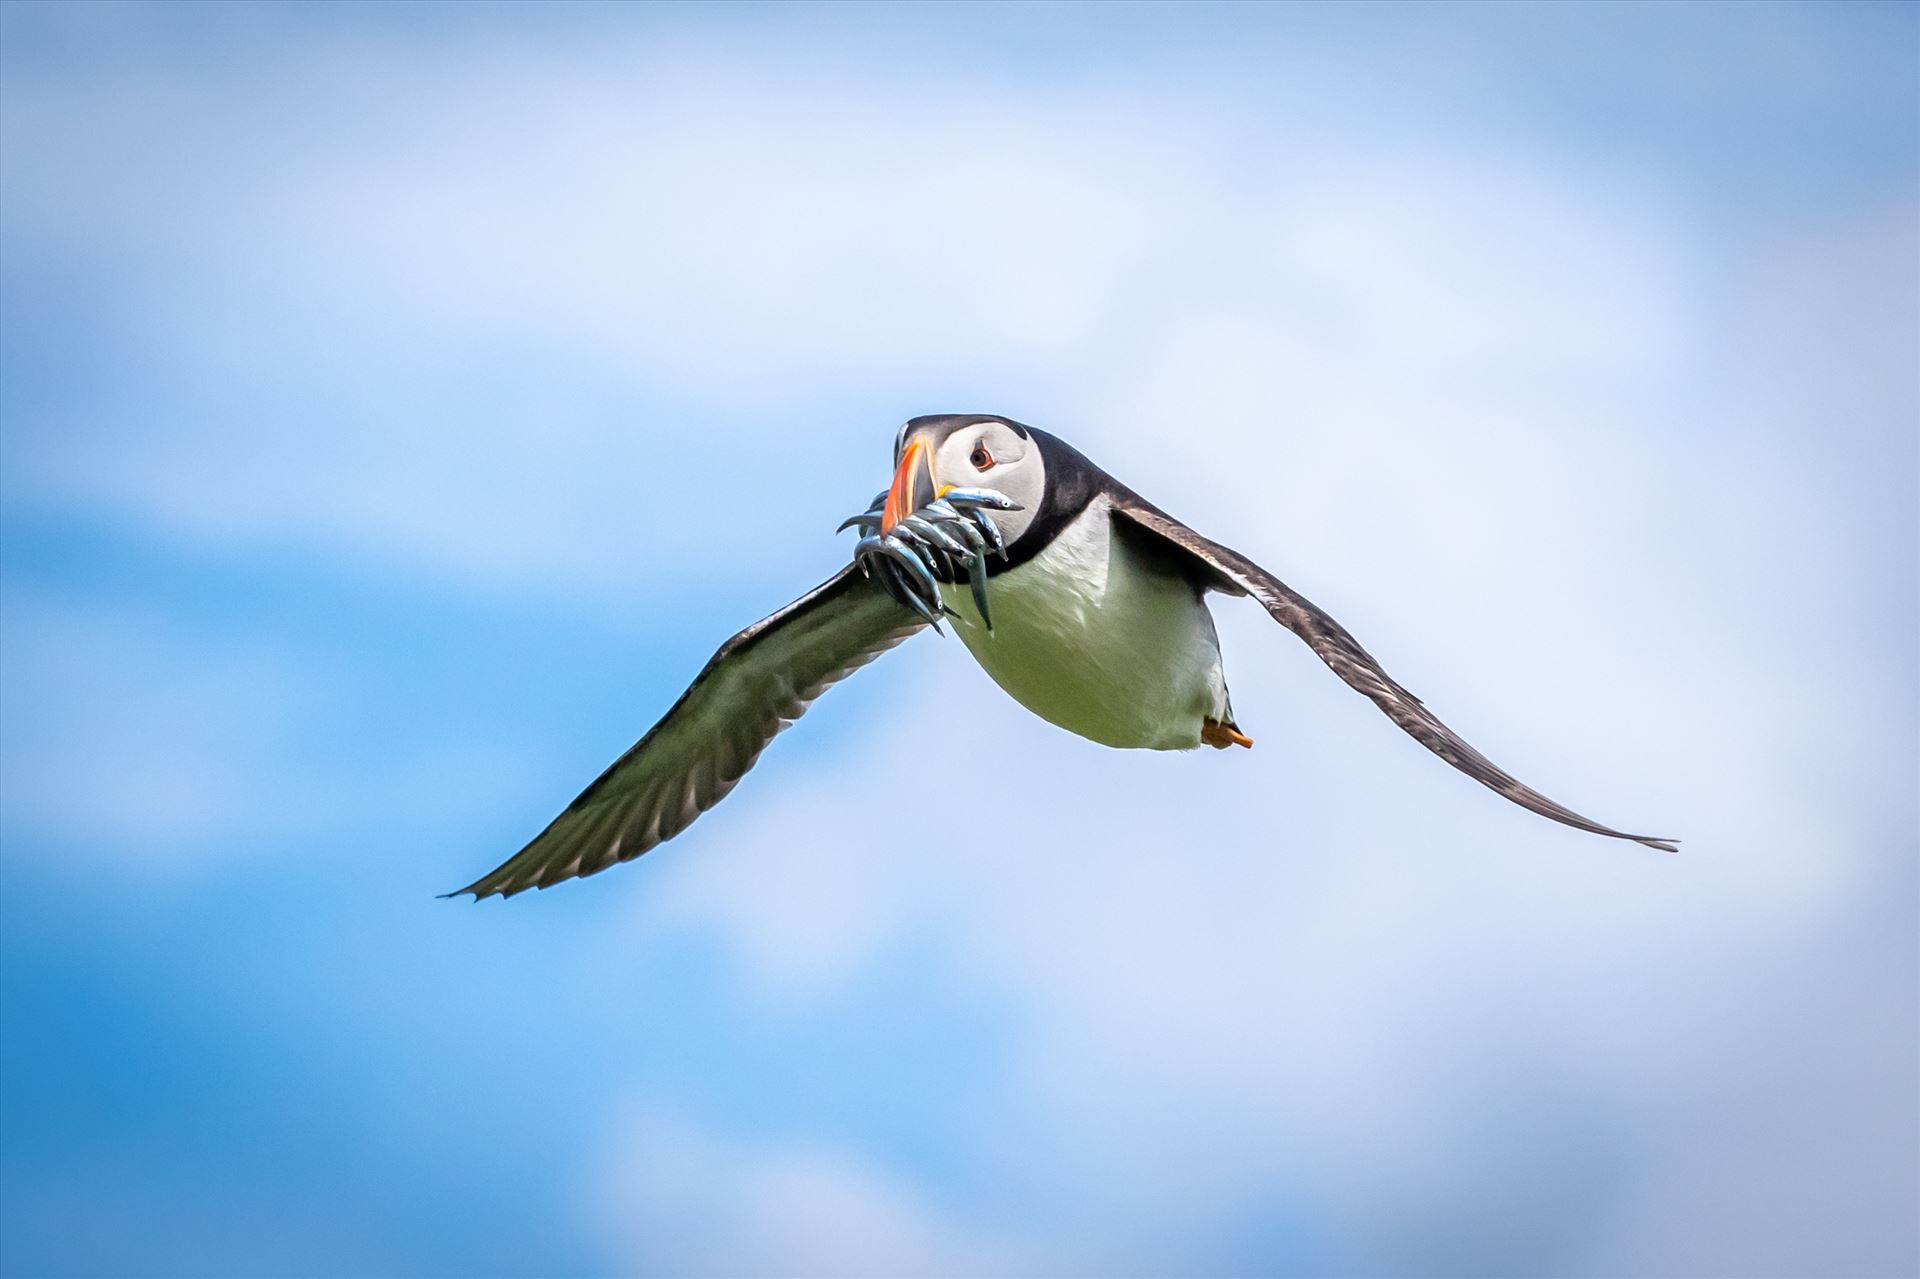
[1084, 601]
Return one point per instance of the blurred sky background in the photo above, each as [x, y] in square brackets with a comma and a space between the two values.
[401, 402]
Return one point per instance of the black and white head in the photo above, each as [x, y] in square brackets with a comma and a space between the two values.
[933, 456]
[973, 495]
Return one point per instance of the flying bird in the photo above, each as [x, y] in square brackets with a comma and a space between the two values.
[1080, 598]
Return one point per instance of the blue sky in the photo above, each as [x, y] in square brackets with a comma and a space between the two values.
[400, 402]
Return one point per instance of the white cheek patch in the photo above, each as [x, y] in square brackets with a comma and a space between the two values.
[1025, 482]
[1017, 472]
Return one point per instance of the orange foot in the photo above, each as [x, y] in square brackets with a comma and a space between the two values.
[1219, 735]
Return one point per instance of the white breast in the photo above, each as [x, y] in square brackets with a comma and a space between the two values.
[1093, 637]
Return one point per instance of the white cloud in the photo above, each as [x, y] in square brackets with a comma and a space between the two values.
[670, 1199]
[123, 736]
[482, 322]
[487, 320]
[1489, 262]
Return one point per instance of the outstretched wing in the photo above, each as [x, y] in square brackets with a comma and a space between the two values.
[1233, 572]
[759, 682]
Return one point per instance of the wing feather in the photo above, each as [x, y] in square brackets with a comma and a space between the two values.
[1222, 566]
[757, 684]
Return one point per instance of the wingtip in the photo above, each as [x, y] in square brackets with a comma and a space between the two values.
[476, 890]
[1661, 845]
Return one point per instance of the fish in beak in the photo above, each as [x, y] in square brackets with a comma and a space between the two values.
[920, 533]
[913, 485]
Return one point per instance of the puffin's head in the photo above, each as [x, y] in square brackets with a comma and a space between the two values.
[936, 454]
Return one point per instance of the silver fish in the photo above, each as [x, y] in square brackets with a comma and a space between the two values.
[981, 497]
[930, 531]
[903, 553]
[985, 524]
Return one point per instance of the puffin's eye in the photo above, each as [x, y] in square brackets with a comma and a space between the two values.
[981, 459]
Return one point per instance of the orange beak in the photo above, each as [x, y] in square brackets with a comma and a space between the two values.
[913, 485]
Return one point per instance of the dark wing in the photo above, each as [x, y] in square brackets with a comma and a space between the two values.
[1228, 570]
[759, 682]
